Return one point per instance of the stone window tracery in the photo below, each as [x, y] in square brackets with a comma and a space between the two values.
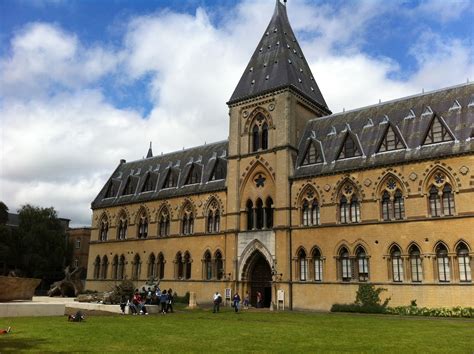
[310, 212]
[345, 264]
[122, 227]
[188, 220]
[349, 205]
[440, 195]
[416, 268]
[303, 265]
[442, 259]
[318, 265]
[362, 264]
[397, 264]
[164, 220]
[104, 229]
[143, 226]
[464, 263]
[392, 201]
[213, 217]
[259, 133]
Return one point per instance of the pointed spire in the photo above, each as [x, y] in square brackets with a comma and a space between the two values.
[278, 63]
[150, 152]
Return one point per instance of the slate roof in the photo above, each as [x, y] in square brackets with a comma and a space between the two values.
[204, 157]
[410, 117]
[278, 62]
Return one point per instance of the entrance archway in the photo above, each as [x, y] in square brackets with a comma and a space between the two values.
[258, 276]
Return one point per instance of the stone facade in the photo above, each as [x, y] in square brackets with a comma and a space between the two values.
[310, 203]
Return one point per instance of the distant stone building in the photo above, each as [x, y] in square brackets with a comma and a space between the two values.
[299, 199]
[79, 239]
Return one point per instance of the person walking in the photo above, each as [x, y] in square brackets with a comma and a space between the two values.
[217, 299]
[236, 302]
[259, 299]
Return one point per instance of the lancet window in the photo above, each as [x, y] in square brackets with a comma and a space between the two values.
[213, 217]
[259, 134]
[392, 201]
[440, 195]
[349, 205]
[164, 222]
[259, 215]
[464, 263]
[310, 213]
[187, 220]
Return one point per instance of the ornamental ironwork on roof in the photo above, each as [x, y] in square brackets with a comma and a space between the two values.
[277, 63]
[428, 126]
[149, 176]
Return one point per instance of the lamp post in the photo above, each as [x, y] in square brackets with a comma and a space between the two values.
[276, 277]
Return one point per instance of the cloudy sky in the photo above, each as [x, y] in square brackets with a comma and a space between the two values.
[86, 83]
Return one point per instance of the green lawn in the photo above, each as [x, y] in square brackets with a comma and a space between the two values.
[203, 331]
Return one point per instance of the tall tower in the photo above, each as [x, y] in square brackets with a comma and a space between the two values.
[275, 97]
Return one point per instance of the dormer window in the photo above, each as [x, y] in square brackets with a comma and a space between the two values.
[390, 141]
[150, 183]
[194, 175]
[349, 148]
[312, 155]
[130, 186]
[437, 132]
[171, 180]
[219, 170]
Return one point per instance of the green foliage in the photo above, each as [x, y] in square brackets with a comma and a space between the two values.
[200, 331]
[368, 295]
[357, 308]
[181, 299]
[38, 247]
[466, 312]
[3, 213]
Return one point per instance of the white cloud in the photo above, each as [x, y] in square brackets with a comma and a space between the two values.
[62, 138]
[442, 10]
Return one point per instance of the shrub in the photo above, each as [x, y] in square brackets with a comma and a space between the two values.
[181, 299]
[467, 312]
[368, 295]
[357, 308]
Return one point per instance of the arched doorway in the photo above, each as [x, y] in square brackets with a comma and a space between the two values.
[258, 275]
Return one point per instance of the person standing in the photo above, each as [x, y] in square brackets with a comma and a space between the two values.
[169, 307]
[246, 300]
[217, 301]
[163, 302]
[236, 301]
[259, 299]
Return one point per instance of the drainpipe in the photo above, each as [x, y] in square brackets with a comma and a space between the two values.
[290, 294]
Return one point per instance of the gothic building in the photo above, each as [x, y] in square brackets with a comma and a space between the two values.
[299, 199]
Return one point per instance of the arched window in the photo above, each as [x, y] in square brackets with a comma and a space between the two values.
[259, 214]
[398, 205]
[179, 266]
[187, 265]
[303, 265]
[318, 265]
[121, 268]
[264, 136]
[104, 229]
[122, 227]
[152, 266]
[255, 138]
[161, 266]
[187, 220]
[249, 209]
[444, 273]
[355, 209]
[268, 216]
[219, 265]
[345, 264]
[440, 195]
[207, 266]
[464, 262]
[415, 264]
[386, 206]
[362, 264]
[397, 264]
[136, 267]
[104, 268]
[115, 264]
[97, 267]
[310, 209]
[213, 217]
[344, 210]
[435, 202]
[164, 222]
[143, 226]
[448, 200]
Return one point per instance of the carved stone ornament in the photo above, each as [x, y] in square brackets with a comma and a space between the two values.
[413, 176]
[464, 170]
[327, 187]
[245, 114]
[260, 181]
[199, 203]
[367, 182]
[271, 106]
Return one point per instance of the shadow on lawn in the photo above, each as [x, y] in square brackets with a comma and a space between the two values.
[15, 344]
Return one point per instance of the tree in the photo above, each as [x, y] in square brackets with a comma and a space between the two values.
[3, 213]
[43, 242]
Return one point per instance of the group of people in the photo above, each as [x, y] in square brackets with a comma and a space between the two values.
[217, 300]
[137, 303]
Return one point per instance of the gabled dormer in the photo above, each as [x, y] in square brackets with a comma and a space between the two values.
[350, 147]
[391, 140]
[437, 131]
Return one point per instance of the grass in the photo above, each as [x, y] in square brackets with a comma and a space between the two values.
[254, 331]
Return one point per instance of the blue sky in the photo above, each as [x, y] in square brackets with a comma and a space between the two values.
[95, 81]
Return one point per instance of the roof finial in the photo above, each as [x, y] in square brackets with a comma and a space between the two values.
[150, 152]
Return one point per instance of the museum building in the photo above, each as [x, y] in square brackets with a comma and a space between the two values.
[298, 200]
